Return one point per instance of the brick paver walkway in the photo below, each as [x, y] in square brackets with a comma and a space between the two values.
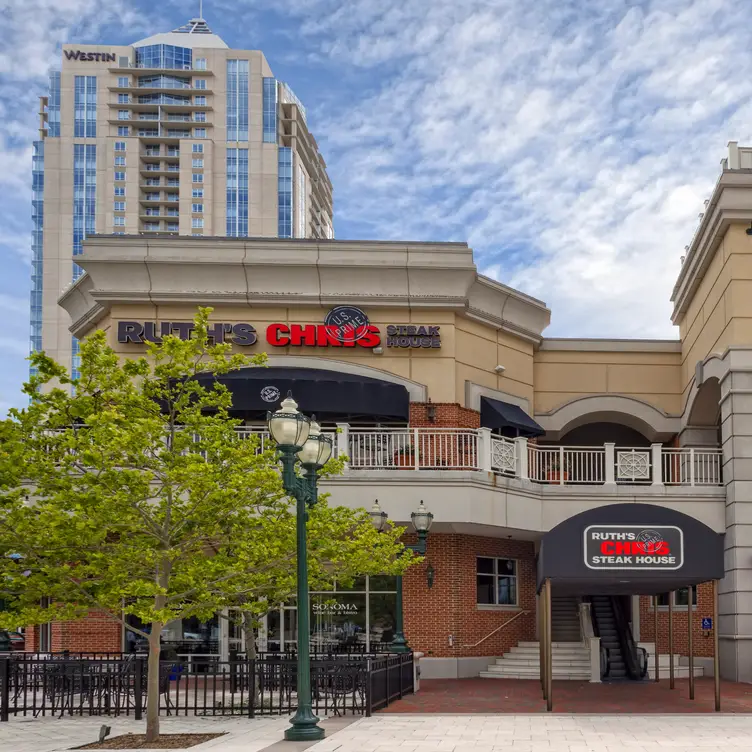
[421, 733]
[522, 696]
[50, 734]
[535, 733]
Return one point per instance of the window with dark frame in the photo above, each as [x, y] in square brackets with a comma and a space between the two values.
[496, 581]
[680, 598]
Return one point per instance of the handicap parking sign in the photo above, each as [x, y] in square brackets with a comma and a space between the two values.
[707, 622]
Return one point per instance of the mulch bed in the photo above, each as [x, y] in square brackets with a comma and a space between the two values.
[138, 741]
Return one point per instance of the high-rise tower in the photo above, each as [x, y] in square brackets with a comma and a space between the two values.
[175, 134]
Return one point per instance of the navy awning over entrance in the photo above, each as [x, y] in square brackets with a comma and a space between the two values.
[638, 549]
[330, 395]
[507, 419]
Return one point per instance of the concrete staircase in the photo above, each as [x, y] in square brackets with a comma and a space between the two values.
[565, 619]
[571, 660]
[680, 672]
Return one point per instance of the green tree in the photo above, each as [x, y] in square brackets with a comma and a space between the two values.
[127, 491]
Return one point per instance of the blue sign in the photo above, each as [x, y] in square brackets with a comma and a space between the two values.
[707, 622]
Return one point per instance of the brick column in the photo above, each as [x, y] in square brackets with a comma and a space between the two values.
[735, 600]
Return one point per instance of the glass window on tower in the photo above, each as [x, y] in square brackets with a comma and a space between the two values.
[85, 107]
[270, 110]
[37, 243]
[75, 358]
[237, 100]
[284, 192]
[84, 197]
[165, 56]
[237, 193]
[53, 106]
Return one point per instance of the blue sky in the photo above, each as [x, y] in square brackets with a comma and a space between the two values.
[570, 142]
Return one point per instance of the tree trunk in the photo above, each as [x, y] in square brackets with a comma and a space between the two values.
[250, 651]
[152, 684]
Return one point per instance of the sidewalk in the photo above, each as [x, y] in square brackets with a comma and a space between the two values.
[420, 733]
[56, 734]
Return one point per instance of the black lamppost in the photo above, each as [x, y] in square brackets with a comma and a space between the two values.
[422, 520]
[300, 439]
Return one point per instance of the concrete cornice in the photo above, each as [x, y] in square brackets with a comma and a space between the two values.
[730, 203]
[294, 273]
[611, 345]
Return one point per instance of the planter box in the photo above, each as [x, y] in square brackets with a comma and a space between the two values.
[406, 460]
[555, 476]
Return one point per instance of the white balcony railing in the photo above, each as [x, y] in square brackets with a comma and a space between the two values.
[479, 449]
[471, 449]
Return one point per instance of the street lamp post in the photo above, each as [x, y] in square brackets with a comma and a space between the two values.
[300, 439]
[421, 520]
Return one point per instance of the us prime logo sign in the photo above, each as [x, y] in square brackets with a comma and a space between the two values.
[634, 547]
[347, 323]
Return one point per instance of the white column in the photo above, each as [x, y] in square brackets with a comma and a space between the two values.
[343, 442]
[521, 451]
[224, 636]
[656, 451]
[610, 461]
[416, 448]
[594, 643]
[484, 449]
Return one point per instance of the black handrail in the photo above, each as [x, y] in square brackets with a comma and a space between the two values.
[636, 668]
[605, 657]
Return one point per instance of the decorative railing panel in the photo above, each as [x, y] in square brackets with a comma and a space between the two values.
[31, 686]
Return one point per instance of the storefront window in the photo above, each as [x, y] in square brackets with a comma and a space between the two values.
[356, 618]
[186, 636]
[338, 622]
[681, 596]
[381, 622]
[496, 581]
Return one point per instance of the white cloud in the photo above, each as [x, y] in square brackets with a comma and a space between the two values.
[572, 147]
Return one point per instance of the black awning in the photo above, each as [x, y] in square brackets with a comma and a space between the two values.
[507, 419]
[330, 395]
[622, 549]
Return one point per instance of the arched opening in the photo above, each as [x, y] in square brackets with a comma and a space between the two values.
[600, 432]
[608, 419]
[705, 411]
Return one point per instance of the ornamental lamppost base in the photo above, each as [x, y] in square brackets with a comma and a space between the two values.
[304, 728]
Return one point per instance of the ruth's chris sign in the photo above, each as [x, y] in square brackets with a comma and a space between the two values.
[105, 57]
[137, 332]
[344, 326]
[634, 547]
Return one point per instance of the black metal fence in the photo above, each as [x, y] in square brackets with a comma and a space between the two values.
[110, 685]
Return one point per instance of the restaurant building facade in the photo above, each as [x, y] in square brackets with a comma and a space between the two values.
[442, 388]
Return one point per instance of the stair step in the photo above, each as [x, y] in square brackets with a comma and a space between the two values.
[532, 661]
[579, 650]
[580, 676]
[556, 644]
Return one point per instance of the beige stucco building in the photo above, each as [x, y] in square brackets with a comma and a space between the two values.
[176, 134]
[504, 433]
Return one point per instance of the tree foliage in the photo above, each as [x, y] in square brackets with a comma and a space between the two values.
[127, 491]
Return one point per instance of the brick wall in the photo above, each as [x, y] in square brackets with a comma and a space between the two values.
[97, 633]
[448, 415]
[702, 639]
[450, 608]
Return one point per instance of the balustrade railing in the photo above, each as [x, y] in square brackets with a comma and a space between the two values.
[414, 449]
[562, 465]
[478, 449]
